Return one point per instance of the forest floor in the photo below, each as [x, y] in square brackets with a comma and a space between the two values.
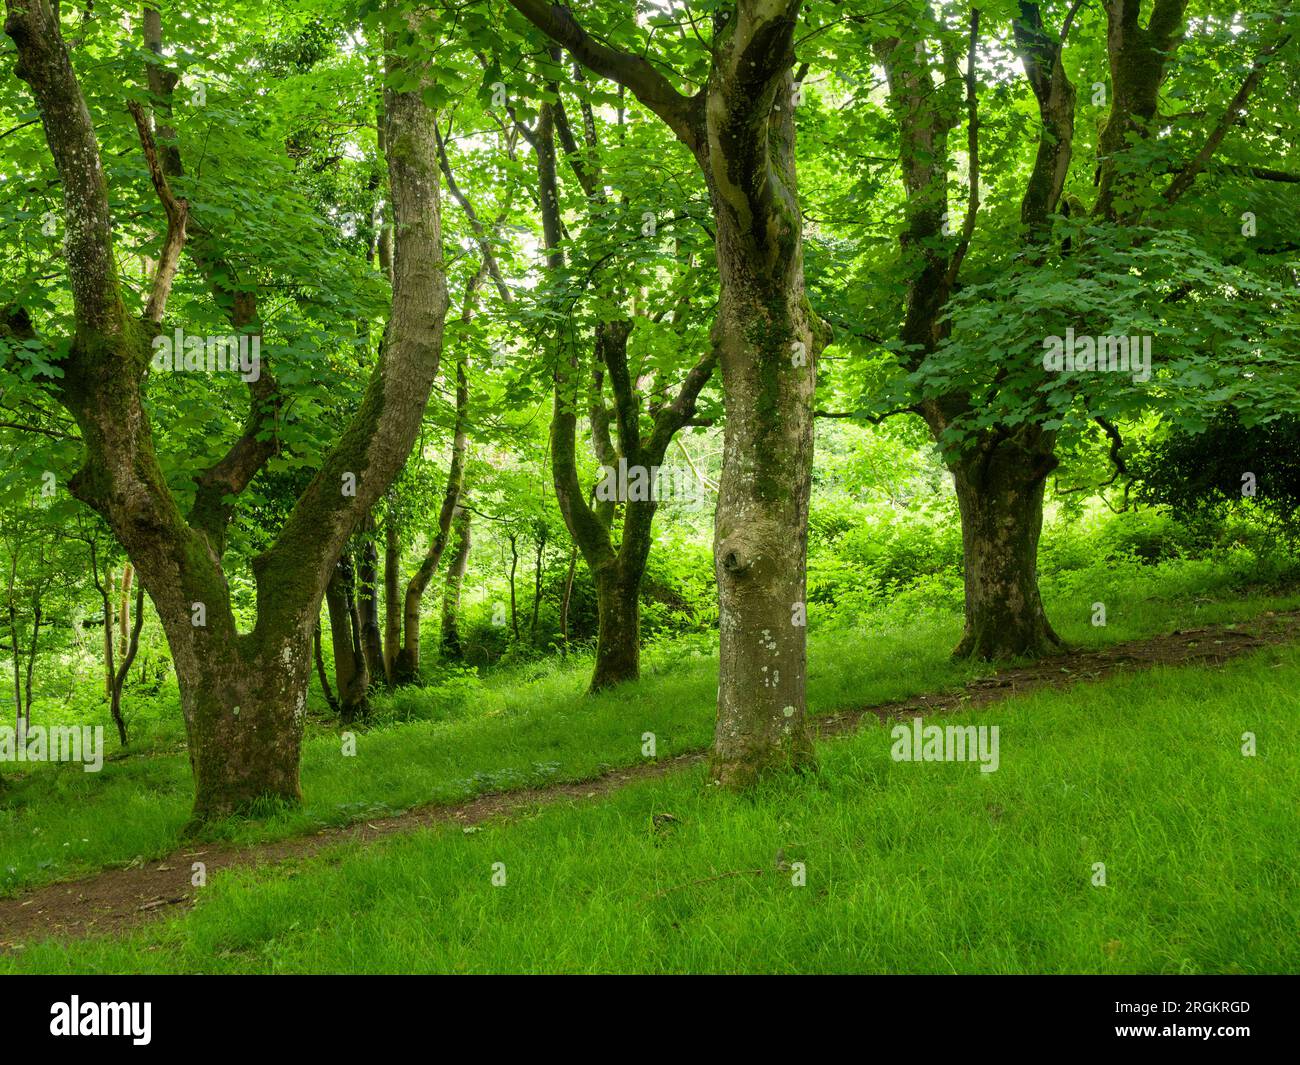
[114, 901]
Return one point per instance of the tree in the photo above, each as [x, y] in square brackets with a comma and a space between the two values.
[740, 129]
[243, 694]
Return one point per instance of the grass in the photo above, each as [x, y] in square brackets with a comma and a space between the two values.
[57, 821]
[910, 866]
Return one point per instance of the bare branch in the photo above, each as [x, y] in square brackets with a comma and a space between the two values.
[177, 213]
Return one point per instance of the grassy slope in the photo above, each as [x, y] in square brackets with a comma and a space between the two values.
[59, 821]
[911, 867]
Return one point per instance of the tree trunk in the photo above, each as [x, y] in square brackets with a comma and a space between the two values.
[17, 657]
[392, 595]
[618, 640]
[537, 587]
[351, 676]
[321, 675]
[406, 669]
[245, 713]
[568, 598]
[450, 634]
[368, 603]
[1001, 505]
[129, 649]
[124, 610]
[760, 527]
[514, 602]
[31, 659]
[768, 339]
[106, 595]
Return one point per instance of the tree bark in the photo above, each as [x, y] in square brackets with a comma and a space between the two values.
[124, 611]
[450, 632]
[1001, 501]
[618, 640]
[392, 595]
[368, 603]
[351, 672]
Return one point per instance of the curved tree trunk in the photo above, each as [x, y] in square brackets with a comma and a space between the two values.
[129, 649]
[406, 666]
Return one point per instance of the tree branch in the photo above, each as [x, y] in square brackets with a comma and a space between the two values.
[1189, 173]
[177, 211]
[631, 71]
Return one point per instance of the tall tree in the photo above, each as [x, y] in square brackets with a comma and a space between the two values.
[740, 129]
[243, 694]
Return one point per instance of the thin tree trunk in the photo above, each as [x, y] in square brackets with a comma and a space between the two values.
[123, 671]
[450, 633]
[13, 635]
[368, 603]
[537, 587]
[568, 598]
[392, 595]
[124, 610]
[31, 659]
[330, 701]
[514, 565]
[351, 675]
[105, 595]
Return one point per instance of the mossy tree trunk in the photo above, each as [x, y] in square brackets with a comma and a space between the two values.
[242, 694]
[352, 676]
[449, 633]
[1000, 494]
[740, 129]
[372, 641]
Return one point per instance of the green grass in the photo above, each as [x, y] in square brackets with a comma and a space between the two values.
[911, 866]
[57, 821]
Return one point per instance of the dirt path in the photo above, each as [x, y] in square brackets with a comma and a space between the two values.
[115, 900]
